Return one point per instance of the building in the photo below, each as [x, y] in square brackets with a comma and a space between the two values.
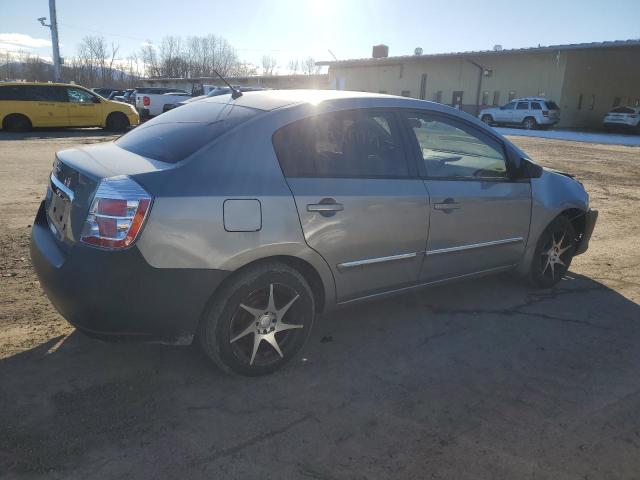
[266, 81]
[585, 79]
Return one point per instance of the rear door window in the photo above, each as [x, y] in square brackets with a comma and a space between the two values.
[346, 144]
[523, 106]
[536, 106]
[180, 132]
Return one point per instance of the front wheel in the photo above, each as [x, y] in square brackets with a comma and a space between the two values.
[259, 320]
[117, 122]
[487, 119]
[529, 123]
[553, 254]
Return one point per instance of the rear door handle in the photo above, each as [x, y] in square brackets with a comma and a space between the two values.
[327, 207]
[447, 205]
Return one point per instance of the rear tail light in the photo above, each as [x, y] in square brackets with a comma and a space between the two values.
[117, 214]
[545, 113]
[146, 101]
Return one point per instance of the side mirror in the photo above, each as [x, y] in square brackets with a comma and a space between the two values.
[95, 99]
[528, 169]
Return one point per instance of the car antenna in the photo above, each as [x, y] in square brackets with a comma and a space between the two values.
[235, 93]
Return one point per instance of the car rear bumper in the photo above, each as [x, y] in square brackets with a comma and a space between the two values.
[118, 294]
[590, 219]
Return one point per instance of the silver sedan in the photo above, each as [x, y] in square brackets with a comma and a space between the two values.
[235, 220]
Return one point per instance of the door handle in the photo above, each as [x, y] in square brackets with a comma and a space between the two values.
[327, 207]
[447, 206]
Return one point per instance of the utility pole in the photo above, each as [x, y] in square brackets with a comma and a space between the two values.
[53, 26]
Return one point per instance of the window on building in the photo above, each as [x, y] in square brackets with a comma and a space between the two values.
[356, 143]
[522, 106]
[455, 150]
[592, 102]
[405, 93]
[496, 98]
[437, 97]
[456, 99]
[617, 101]
[512, 95]
[423, 86]
[580, 98]
[536, 106]
[485, 98]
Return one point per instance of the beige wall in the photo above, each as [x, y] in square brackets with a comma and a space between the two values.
[531, 74]
[605, 74]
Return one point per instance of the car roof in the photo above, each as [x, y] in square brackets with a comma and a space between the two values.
[275, 99]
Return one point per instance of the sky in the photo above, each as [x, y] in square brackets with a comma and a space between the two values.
[290, 29]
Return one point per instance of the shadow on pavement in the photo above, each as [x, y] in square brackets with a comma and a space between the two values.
[483, 379]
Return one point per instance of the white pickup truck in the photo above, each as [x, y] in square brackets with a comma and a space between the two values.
[154, 101]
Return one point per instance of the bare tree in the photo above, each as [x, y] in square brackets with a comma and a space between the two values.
[269, 64]
[294, 66]
[309, 66]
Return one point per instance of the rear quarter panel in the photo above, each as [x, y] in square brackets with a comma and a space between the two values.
[185, 228]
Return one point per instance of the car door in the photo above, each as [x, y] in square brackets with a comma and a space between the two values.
[479, 215]
[47, 106]
[360, 203]
[85, 109]
[505, 113]
[521, 112]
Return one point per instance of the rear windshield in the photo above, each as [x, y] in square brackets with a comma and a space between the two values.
[173, 136]
[623, 110]
[552, 105]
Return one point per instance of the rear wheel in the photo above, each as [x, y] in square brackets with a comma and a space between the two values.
[16, 123]
[259, 320]
[553, 254]
[487, 119]
[117, 122]
[529, 123]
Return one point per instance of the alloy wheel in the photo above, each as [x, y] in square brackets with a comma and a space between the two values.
[556, 255]
[263, 325]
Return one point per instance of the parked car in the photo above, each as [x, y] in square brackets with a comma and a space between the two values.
[128, 96]
[530, 113]
[216, 92]
[623, 118]
[26, 105]
[237, 220]
[103, 92]
[114, 94]
[151, 101]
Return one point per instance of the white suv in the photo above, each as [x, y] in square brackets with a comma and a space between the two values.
[530, 113]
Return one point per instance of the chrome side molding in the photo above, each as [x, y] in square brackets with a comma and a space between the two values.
[372, 261]
[472, 246]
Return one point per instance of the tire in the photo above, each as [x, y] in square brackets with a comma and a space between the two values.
[241, 326]
[487, 120]
[117, 122]
[16, 123]
[529, 123]
[557, 243]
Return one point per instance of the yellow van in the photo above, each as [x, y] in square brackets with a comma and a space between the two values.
[26, 105]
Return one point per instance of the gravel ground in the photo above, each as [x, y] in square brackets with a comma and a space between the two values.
[482, 379]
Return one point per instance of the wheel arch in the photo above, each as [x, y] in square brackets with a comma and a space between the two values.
[14, 114]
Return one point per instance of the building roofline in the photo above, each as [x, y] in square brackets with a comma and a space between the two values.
[512, 51]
